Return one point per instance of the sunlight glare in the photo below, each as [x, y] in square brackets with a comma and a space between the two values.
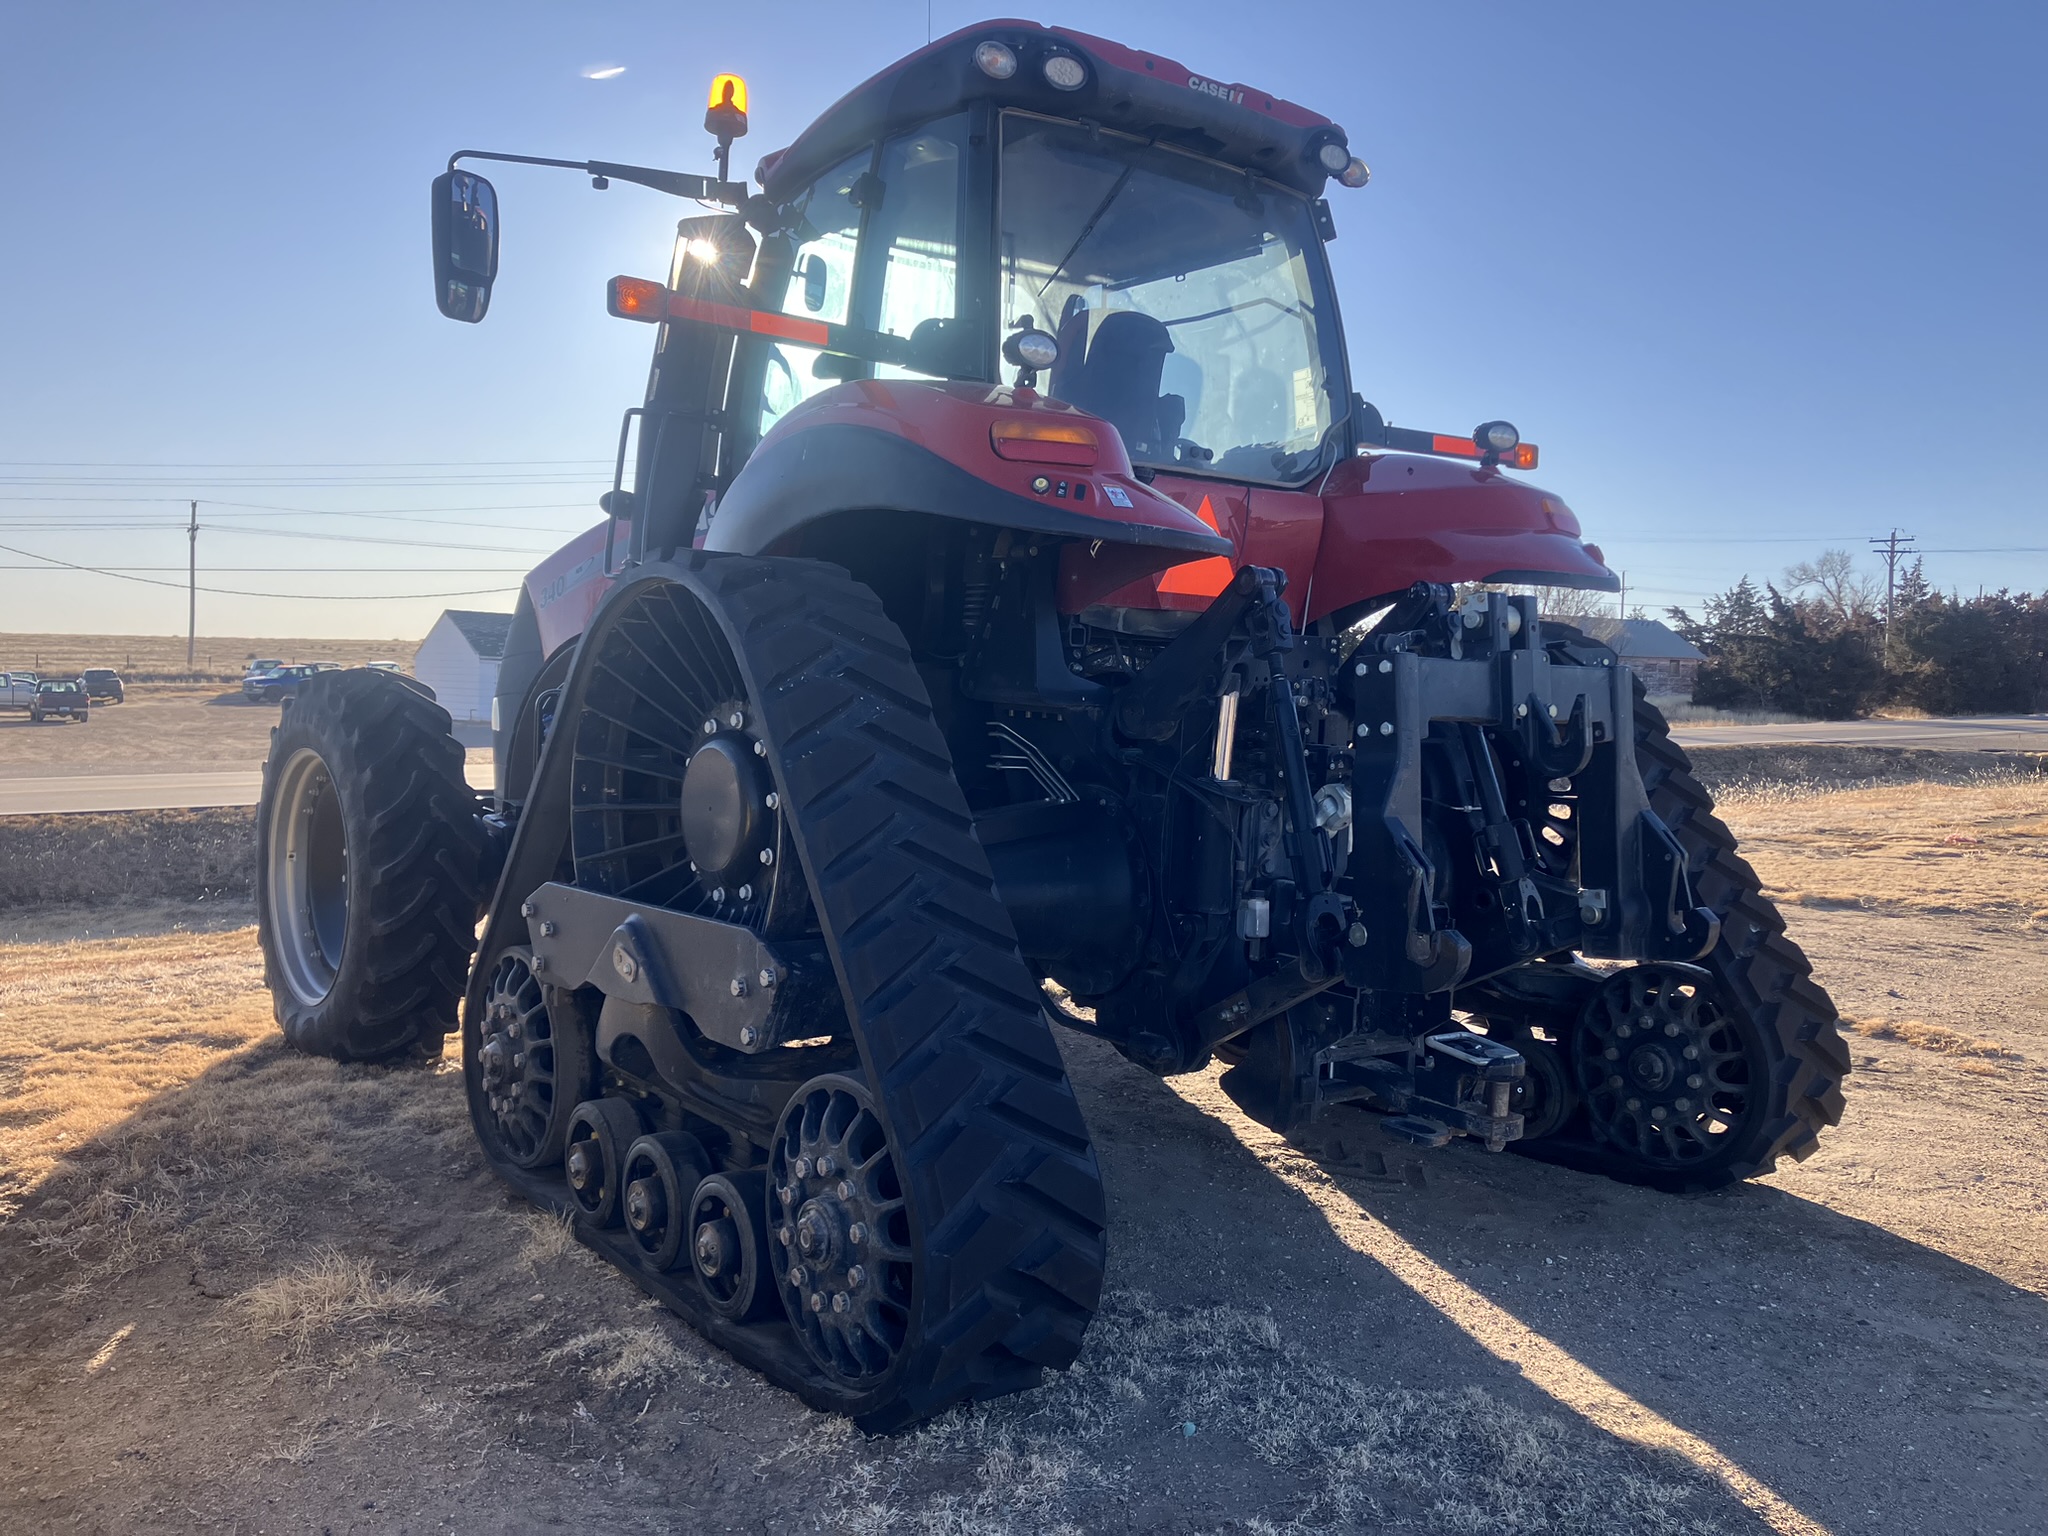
[604, 71]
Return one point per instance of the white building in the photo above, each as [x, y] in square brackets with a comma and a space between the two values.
[459, 661]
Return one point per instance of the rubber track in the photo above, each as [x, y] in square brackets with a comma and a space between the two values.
[1761, 971]
[1008, 1212]
[415, 855]
[1759, 967]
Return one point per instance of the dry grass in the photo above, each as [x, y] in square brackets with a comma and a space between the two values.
[127, 857]
[1938, 1038]
[1349, 1455]
[1980, 849]
[328, 1293]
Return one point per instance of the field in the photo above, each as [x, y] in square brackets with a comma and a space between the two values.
[148, 657]
[254, 1291]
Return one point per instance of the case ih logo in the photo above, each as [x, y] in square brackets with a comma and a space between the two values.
[1220, 92]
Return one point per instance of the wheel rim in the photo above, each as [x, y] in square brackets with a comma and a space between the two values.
[1664, 1067]
[513, 1062]
[308, 876]
[841, 1230]
[725, 1245]
[671, 800]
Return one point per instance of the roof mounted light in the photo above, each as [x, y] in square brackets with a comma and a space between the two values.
[1497, 436]
[996, 60]
[1335, 158]
[1064, 72]
[1356, 174]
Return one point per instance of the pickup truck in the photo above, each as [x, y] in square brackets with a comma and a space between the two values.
[17, 690]
[279, 687]
[59, 698]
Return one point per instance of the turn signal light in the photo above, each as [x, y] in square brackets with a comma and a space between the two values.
[637, 298]
[1044, 442]
[1521, 456]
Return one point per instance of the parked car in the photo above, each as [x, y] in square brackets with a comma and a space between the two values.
[385, 666]
[17, 689]
[104, 683]
[279, 687]
[64, 698]
[262, 668]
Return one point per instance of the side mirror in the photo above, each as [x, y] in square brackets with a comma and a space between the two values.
[814, 283]
[465, 244]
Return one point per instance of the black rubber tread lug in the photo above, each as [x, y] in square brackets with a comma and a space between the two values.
[416, 857]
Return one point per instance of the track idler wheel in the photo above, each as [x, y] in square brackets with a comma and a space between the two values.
[661, 1175]
[600, 1132]
[729, 1245]
[842, 1230]
[524, 1070]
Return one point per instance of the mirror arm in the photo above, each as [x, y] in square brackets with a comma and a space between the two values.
[674, 183]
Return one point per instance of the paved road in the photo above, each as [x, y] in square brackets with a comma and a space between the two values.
[171, 789]
[1984, 733]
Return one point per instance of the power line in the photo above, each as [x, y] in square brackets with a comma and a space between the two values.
[294, 597]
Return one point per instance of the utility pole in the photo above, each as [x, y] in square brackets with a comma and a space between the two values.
[1621, 598]
[192, 588]
[1892, 546]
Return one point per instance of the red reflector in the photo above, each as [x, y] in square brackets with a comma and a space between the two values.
[1043, 442]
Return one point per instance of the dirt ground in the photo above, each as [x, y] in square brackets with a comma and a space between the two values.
[249, 1291]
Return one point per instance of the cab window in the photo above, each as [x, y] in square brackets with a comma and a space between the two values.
[820, 284]
[914, 232]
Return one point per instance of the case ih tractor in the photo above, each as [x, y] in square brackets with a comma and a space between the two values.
[1007, 614]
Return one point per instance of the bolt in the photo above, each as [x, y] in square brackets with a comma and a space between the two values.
[1611, 1054]
[1681, 1104]
[798, 1275]
[540, 962]
[1671, 1030]
[527, 909]
[857, 1233]
[1614, 1082]
[1386, 727]
[801, 1168]
[826, 1166]
[772, 800]
[855, 1275]
[760, 749]
[1359, 669]
[1695, 1081]
[767, 976]
[1624, 1032]
[840, 1302]
[746, 893]
[710, 726]
[1356, 935]
[718, 893]
[846, 1189]
[1632, 1103]
[1553, 711]
[1659, 1112]
[786, 1235]
[518, 1058]
[739, 986]
[736, 719]
[817, 1301]
[767, 855]
[548, 930]
[749, 1034]
[1521, 710]
[1365, 730]
[1691, 1053]
[512, 1029]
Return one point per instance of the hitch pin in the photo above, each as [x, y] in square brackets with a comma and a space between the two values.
[1226, 731]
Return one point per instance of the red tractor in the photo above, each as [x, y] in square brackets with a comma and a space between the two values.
[1008, 614]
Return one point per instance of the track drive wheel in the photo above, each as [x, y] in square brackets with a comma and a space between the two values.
[369, 869]
[753, 743]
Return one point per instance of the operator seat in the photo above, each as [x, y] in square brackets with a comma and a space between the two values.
[1118, 379]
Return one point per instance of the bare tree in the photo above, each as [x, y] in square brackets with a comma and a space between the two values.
[1575, 603]
[1832, 581]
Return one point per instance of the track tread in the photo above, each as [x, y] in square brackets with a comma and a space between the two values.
[989, 1136]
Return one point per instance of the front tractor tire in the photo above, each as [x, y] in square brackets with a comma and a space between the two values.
[369, 869]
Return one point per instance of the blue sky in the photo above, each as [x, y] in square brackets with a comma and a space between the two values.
[1759, 278]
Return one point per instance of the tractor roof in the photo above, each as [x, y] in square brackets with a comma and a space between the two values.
[1137, 92]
